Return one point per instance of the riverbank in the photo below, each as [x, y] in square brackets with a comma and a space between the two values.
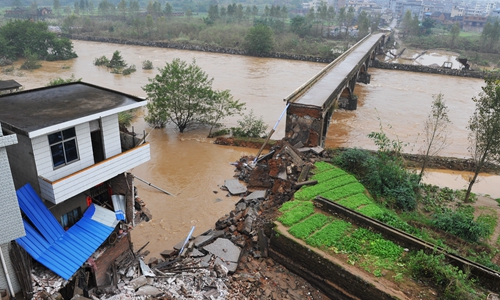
[195, 47]
[412, 160]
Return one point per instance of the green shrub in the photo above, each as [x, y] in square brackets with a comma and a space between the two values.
[147, 65]
[129, 70]
[296, 214]
[101, 61]
[354, 161]
[461, 223]
[330, 234]
[453, 284]
[250, 126]
[303, 229]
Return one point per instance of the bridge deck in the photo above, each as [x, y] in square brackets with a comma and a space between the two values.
[319, 92]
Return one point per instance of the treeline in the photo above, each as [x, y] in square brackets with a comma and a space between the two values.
[228, 26]
[33, 39]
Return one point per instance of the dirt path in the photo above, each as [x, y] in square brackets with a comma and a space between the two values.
[488, 203]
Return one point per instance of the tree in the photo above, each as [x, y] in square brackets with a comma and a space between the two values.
[484, 127]
[57, 5]
[454, 32]
[363, 24]
[122, 7]
[222, 105]
[117, 61]
[259, 39]
[435, 130]
[168, 10]
[180, 93]
[34, 38]
[407, 23]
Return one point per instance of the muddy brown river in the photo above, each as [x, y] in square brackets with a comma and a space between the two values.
[189, 166]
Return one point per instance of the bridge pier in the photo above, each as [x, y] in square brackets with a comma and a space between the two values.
[304, 125]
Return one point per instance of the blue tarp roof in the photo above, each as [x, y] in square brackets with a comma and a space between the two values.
[61, 251]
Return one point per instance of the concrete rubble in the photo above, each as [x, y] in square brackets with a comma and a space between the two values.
[231, 260]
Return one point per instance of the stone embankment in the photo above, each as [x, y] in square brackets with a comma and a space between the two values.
[195, 47]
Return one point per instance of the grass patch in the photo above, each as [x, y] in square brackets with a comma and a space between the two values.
[296, 214]
[304, 229]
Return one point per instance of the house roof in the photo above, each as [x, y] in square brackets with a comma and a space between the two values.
[9, 85]
[48, 109]
[61, 251]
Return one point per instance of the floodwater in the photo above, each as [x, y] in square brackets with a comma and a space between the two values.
[189, 166]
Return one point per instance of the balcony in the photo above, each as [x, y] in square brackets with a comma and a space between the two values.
[64, 188]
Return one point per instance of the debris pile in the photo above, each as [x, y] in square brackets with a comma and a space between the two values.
[230, 261]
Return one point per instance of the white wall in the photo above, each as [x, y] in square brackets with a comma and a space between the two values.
[43, 156]
[111, 135]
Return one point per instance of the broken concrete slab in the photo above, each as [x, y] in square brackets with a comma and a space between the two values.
[231, 266]
[260, 194]
[138, 282]
[202, 240]
[145, 269]
[234, 186]
[224, 249]
[148, 290]
[167, 253]
[196, 253]
[317, 150]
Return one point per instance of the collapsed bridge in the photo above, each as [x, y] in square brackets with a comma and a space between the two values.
[311, 105]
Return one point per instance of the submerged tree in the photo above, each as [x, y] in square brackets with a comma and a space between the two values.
[183, 94]
[435, 130]
[222, 105]
[484, 127]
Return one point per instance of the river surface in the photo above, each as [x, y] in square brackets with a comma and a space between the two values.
[189, 166]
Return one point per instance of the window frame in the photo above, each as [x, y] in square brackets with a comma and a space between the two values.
[71, 218]
[63, 142]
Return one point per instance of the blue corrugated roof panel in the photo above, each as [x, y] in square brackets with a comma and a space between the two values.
[39, 215]
[61, 251]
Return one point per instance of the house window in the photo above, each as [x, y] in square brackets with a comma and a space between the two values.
[69, 219]
[63, 147]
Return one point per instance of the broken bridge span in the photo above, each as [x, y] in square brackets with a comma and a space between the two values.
[311, 105]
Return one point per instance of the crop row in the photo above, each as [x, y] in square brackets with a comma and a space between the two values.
[310, 192]
[322, 166]
[344, 191]
[304, 229]
[354, 201]
[330, 234]
[297, 213]
[328, 175]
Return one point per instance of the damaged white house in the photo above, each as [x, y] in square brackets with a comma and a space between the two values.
[69, 169]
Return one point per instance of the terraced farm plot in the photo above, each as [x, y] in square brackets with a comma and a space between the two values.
[297, 213]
